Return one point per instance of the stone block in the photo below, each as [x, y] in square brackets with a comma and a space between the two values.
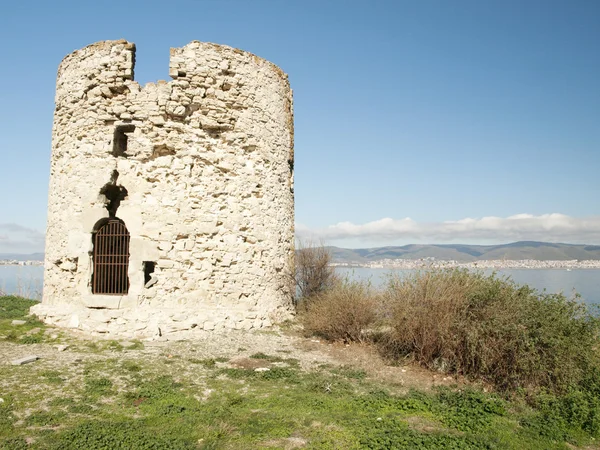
[100, 315]
[245, 324]
[73, 321]
[24, 360]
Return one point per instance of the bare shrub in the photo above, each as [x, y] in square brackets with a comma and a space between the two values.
[423, 308]
[314, 274]
[488, 327]
[342, 313]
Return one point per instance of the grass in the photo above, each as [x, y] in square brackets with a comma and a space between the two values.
[323, 409]
[17, 308]
[124, 400]
[12, 307]
[111, 345]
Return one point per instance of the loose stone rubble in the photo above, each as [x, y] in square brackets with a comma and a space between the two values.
[203, 168]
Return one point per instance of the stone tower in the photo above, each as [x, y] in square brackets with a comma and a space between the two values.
[171, 206]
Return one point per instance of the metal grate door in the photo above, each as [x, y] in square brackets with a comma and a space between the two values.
[111, 259]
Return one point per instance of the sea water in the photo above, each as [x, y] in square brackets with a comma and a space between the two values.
[28, 280]
[585, 282]
[25, 281]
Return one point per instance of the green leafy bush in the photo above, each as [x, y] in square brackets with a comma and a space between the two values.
[563, 417]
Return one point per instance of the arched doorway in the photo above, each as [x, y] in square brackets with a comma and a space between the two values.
[111, 258]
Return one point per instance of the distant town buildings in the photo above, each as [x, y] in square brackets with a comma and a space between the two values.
[14, 262]
[497, 264]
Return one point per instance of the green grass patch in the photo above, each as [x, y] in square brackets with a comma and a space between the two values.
[12, 307]
[292, 362]
[208, 363]
[97, 387]
[131, 366]
[52, 376]
[17, 308]
[36, 338]
[125, 434]
[44, 419]
[350, 372]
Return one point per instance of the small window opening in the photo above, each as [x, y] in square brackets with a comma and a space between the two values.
[120, 139]
[149, 267]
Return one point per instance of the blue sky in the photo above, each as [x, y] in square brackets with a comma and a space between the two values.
[416, 121]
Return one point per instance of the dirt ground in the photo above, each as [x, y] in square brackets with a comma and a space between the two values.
[234, 346]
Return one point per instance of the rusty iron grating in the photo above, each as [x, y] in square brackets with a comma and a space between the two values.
[111, 259]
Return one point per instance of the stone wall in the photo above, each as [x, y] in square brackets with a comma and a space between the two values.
[206, 178]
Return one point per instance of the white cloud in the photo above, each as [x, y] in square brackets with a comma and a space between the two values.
[554, 227]
[15, 238]
[546, 227]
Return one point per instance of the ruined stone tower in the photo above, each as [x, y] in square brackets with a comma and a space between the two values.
[171, 205]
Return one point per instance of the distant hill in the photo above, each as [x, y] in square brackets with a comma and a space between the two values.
[540, 251]
[22, 257]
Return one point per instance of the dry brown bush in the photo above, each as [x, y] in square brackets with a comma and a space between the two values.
[488, 327]
[423, 308]
[342, 313]
[314, 274]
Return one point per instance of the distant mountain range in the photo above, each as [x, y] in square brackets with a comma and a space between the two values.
[540, 251]
[22, 257]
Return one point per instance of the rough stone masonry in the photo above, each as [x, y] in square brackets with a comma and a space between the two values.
[171, 205]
